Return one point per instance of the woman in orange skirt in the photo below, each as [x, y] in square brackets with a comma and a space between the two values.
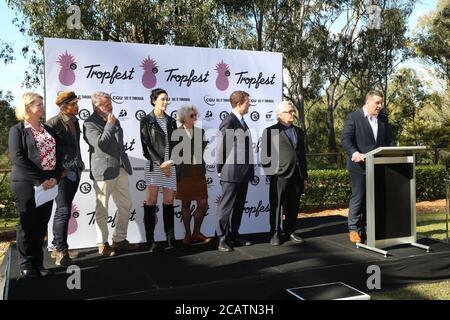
[191, 171]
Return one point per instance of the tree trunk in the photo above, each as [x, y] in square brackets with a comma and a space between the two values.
[331, 134]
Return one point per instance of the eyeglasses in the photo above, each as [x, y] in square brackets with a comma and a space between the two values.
[193, 115]
[290, 111]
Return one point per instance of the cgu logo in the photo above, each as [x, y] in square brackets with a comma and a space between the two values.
[68, 64]
[211, 167]
[209, 101]
[150, 69]
[116, 99]
[223, 72]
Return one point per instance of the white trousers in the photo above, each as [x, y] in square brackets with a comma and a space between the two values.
[119, 190]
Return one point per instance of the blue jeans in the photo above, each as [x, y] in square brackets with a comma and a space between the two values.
[66, 193]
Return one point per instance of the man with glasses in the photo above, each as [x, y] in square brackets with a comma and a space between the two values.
[283, 158]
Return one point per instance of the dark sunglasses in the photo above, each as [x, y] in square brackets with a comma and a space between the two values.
[193, 115]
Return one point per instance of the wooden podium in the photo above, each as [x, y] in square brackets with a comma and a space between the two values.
[391, 198]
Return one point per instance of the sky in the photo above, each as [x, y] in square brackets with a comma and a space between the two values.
[12, 75]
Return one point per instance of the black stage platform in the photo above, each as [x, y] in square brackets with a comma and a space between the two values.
[260, 271]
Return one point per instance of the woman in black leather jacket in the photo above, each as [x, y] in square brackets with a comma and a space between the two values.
[156, 130]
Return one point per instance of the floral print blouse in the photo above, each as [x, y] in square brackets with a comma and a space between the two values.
[46, 145]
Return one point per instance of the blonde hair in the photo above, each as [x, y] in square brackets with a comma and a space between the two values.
[25, 100]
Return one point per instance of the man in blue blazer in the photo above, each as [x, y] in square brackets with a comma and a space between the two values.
[235, 168]
[365, 130]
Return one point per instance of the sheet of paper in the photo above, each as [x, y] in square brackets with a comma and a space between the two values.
[42, 196]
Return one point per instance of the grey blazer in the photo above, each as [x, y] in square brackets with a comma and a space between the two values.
[106, 150]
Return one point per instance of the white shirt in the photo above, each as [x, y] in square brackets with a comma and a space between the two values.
[373, 120]
[238, 115]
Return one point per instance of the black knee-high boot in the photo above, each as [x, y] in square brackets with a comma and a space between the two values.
[168, 218]
[149, 224]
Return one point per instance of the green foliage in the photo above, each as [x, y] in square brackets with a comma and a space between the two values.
[7, 120]
[327, 188]
[7, 203]
[430, 182]
[433, 41]
[332, 188]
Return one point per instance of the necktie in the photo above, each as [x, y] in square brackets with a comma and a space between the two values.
[243, 123]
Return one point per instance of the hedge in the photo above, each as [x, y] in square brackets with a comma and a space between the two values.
[332, 188]
[328, 189]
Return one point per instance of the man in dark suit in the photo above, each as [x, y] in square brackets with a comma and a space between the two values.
[365, 130]
[283, 158]
[67, 130]
[235, 168]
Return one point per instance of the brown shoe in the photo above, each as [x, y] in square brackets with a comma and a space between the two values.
[73, 254]
[63, 259]
[104, 249]
[200, 238]
[354, 237]
[125, 245]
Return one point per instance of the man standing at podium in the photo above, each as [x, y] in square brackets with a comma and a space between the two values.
[364, 130]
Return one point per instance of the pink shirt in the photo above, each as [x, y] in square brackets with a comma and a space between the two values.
[46, 145]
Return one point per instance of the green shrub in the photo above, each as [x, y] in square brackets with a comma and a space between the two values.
[332, 188]
[7, 203]
[327, 189]
[430, 183]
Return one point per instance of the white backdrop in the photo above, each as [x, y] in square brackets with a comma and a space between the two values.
[200, 76]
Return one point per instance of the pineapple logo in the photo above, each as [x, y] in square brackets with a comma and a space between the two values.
[73, 224]
[150, 69]
[68, 64]
[223, 72]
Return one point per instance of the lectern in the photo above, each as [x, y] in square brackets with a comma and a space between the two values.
[391, 198]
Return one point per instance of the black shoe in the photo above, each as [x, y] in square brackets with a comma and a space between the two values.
[30, 273]
[275, 240]
[296, 238]
[152, 247]
[239, 242]
[171, 243]
[44, 272]
[362, 235]
[224, 247]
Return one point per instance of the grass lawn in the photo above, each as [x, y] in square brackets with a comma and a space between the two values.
[8, 224]
[422, 291]
[431, 225]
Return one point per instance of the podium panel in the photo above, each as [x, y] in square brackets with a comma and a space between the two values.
[393, 200]
[390, 198]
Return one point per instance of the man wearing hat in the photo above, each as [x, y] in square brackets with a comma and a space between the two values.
[67, 137]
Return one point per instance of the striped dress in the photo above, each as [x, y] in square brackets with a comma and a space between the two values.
[157, 177]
